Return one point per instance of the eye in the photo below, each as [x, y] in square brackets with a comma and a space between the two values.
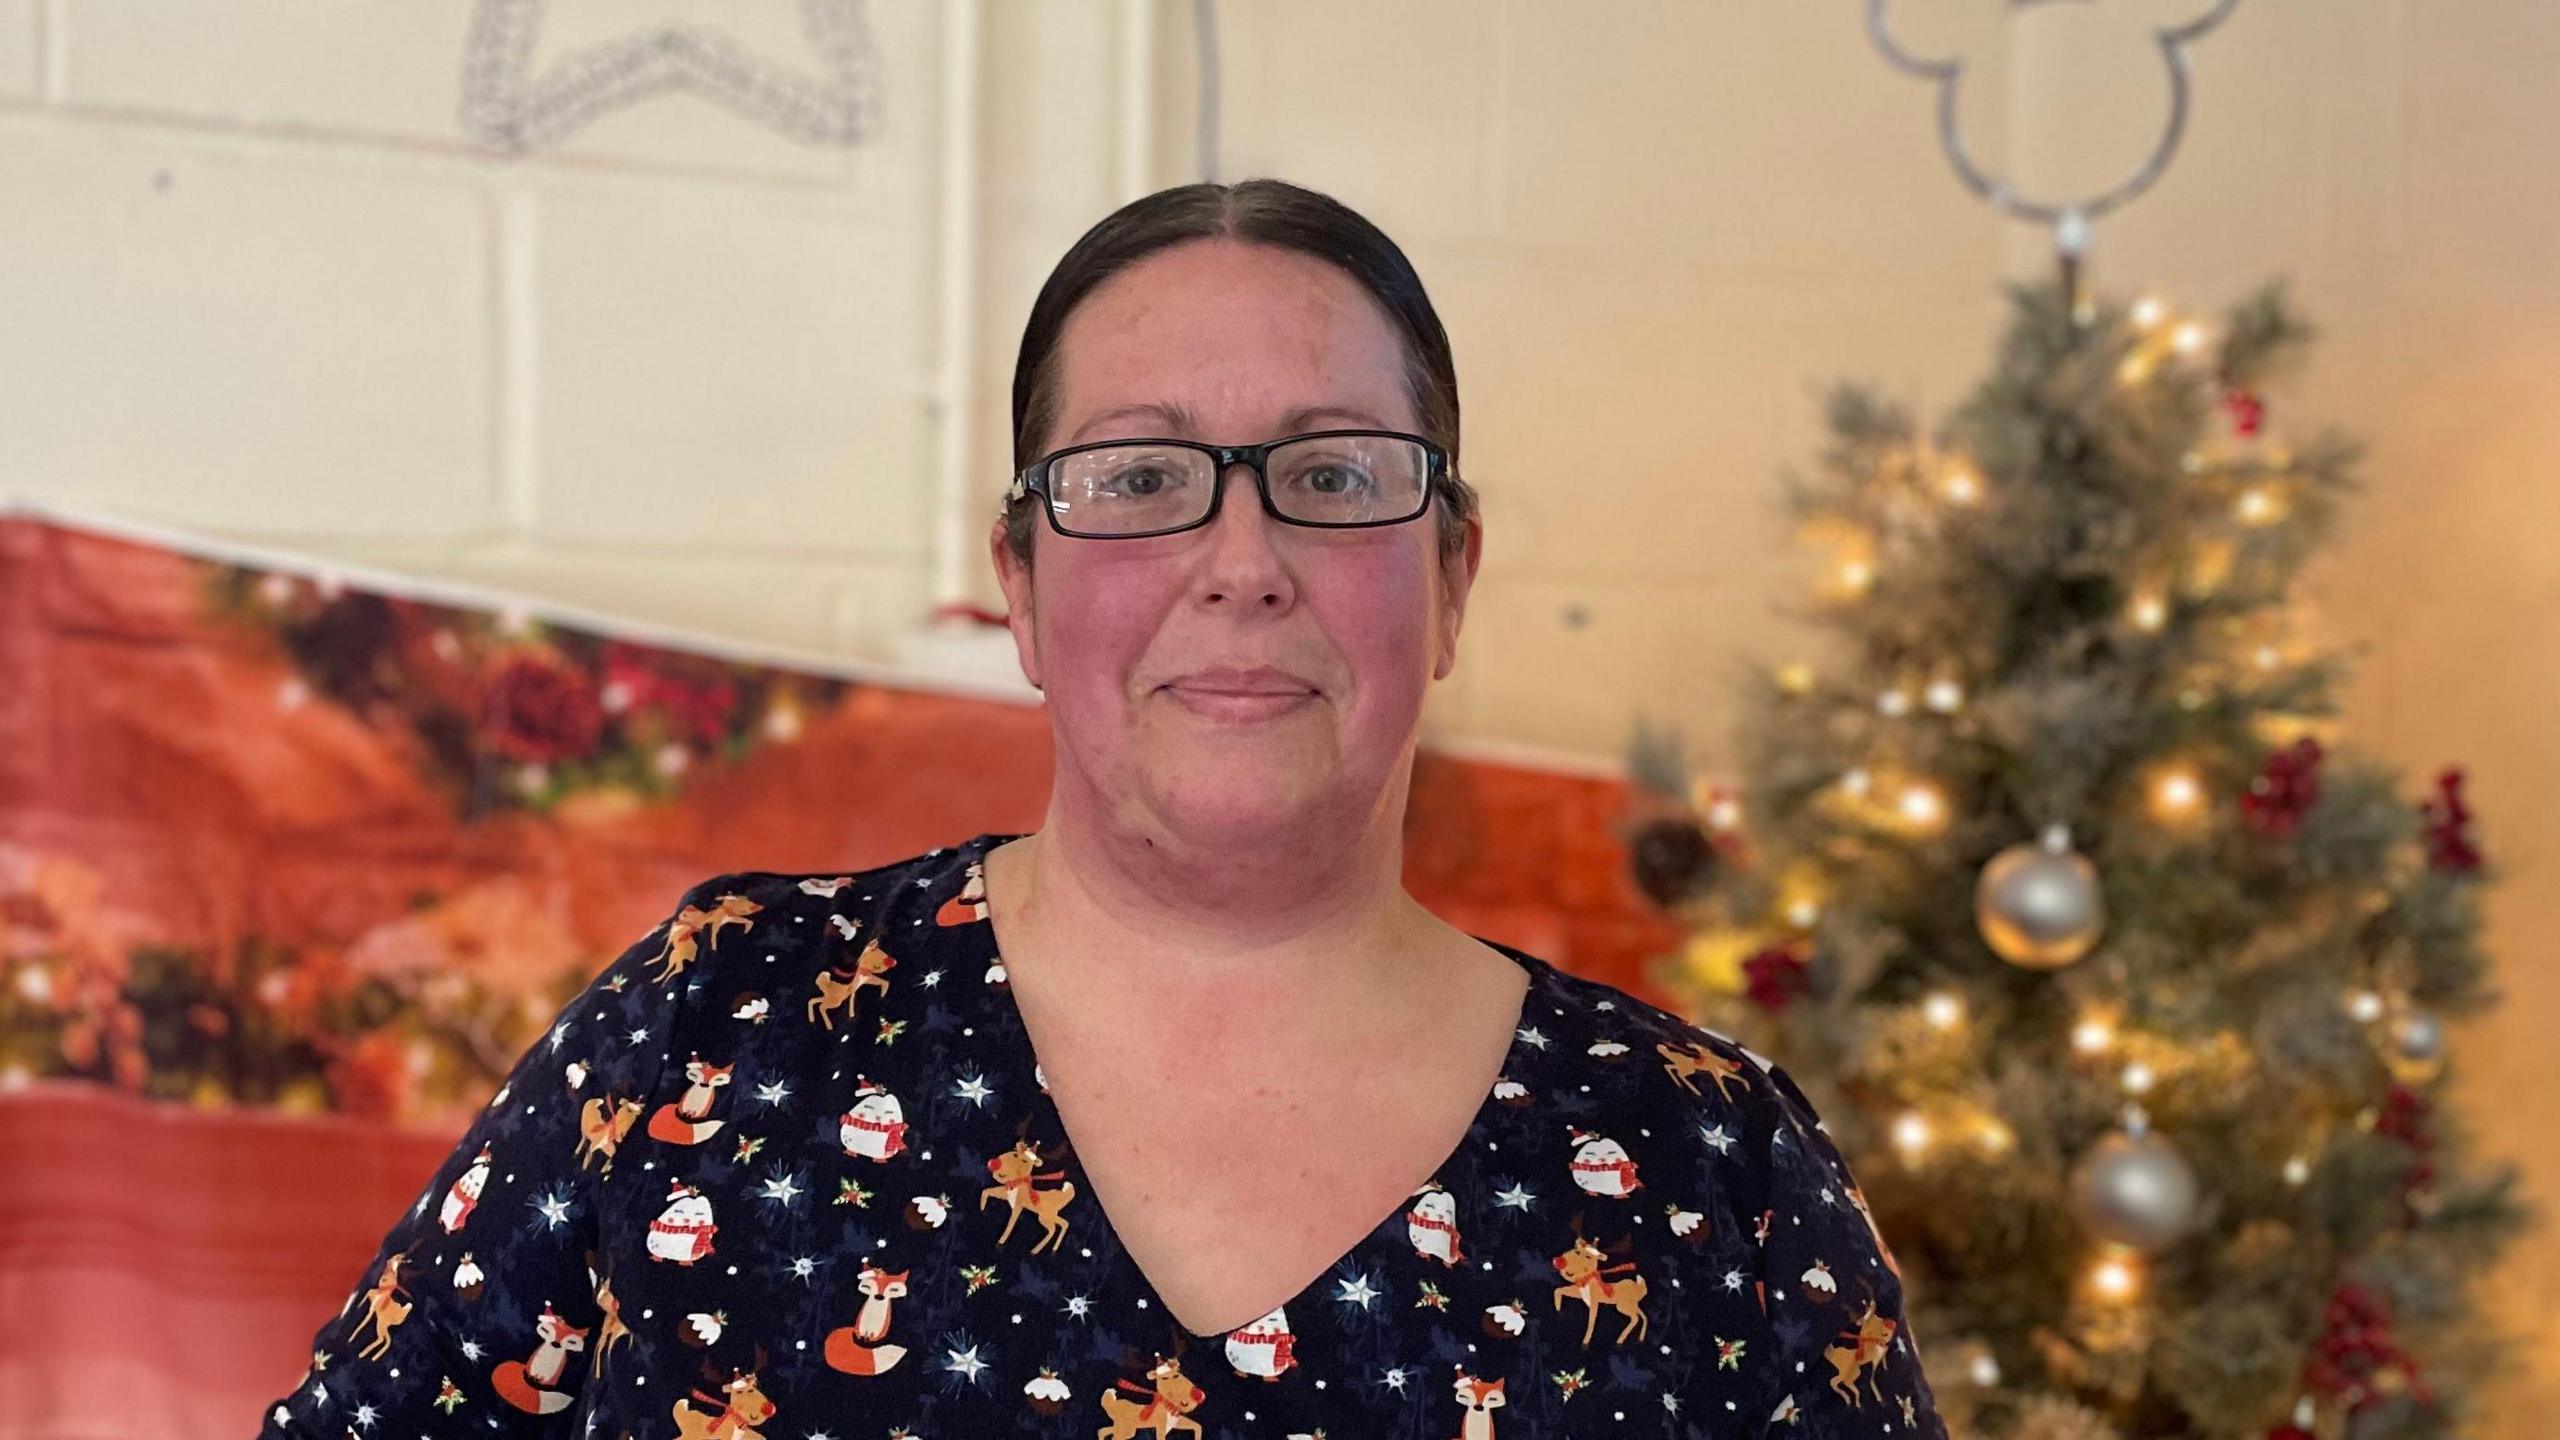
[1142, 480]
[1327, 478]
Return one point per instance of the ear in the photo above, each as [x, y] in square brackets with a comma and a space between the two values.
[1458, 581]
[1016, 583]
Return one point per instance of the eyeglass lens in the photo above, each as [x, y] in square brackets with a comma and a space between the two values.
[1330, 480]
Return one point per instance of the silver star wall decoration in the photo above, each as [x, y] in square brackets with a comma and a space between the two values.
[505, 104]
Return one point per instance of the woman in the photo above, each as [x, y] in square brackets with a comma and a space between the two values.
[1178, 1115]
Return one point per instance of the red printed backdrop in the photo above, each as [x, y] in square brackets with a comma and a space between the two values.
[292, 869]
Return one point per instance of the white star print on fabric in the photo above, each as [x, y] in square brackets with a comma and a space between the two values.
[554, 1208]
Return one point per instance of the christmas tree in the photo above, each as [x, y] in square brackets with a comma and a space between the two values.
[2122, 985]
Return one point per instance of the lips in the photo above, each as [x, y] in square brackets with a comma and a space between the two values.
[1262, 680]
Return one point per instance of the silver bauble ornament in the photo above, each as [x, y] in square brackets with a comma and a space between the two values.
[2134, 1189]
[2417, 1047]
[2039, 905]
[2417, 1035]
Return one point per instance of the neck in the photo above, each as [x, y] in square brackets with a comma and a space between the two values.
[1130, 907]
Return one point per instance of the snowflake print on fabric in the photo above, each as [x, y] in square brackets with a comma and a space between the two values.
[789, 1167]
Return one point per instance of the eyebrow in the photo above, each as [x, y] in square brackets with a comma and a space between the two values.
[1182, 423]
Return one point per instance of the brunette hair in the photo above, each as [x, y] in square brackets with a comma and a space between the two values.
[1261, 212]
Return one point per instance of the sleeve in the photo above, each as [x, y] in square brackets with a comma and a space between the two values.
[1837, 1357]
[480, 1299]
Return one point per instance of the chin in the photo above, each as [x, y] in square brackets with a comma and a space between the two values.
[1226, 807]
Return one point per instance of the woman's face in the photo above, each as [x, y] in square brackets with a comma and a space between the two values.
[1233, 343]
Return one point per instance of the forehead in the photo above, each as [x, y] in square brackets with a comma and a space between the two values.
[1238, 336]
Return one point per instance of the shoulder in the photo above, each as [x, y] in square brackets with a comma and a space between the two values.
[787, 926]
[1607, 1014]
[1737, 1099]
[757, 945]
[776, 904]
[1747, 1121]
[750, 970]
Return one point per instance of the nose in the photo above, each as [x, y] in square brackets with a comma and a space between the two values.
[1243, 562]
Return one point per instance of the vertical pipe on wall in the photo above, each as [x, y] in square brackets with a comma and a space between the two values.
[956, 315]
[1204, 41]
[1136, 175]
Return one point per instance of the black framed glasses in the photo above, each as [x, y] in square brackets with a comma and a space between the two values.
[1324, 479]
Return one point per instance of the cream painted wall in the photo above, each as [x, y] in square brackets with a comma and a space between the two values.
[254, 283]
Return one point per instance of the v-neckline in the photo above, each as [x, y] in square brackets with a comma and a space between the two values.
[1049, 1116]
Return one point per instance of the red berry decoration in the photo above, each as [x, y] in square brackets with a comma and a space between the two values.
[1777, 976]
[2247, 411]
[2285, 790]
[2404, 1118]
[2448, 834]
[2357, 1361]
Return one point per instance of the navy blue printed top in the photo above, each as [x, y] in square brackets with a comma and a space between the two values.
[788, 1168]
